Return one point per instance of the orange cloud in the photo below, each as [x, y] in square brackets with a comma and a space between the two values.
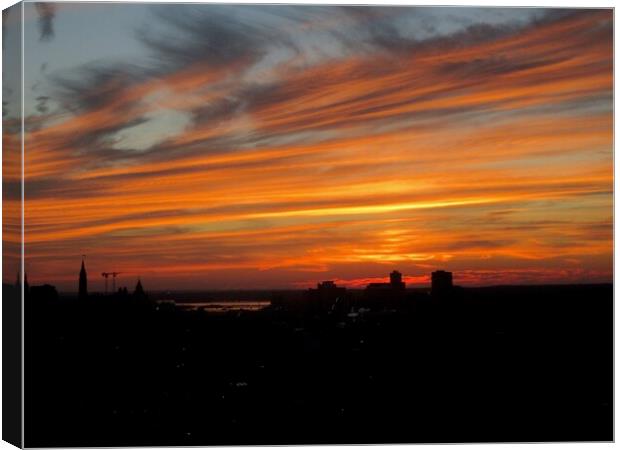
[491, 157]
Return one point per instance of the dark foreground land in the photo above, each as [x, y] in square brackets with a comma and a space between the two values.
[494, 364]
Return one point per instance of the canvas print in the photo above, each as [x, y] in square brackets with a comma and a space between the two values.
[230, 224]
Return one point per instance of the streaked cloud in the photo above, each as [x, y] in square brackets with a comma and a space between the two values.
[331, 142]
[46, 12]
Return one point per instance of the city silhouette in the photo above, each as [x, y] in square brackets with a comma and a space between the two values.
[384, 364]
[269, 224]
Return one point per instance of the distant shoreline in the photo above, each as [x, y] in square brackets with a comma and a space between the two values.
[159, 294]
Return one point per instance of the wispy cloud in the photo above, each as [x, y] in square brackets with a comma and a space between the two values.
[46, 12]
[474, 144]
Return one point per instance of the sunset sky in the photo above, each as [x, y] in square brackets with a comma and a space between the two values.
[219, 146]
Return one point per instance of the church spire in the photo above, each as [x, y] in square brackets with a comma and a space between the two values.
[83, 286]
[139, 289]
[139, 293]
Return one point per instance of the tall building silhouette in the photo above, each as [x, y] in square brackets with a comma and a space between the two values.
[441, 283]
[327, 297]
[139, 289]
[385, 295]
[396, 283]
[83, 287]
[396, 280]
[139, 293]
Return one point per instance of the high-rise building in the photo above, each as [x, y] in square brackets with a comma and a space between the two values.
[441, 282]
[83, 285]
[385, 295]
[396, 279]
[396, 283]
[327, 297]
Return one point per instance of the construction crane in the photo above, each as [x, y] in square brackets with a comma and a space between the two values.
[106, 275]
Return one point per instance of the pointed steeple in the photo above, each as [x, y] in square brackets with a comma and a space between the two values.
[139, 293]
[83, 284]
[26, 285]
[139, 289]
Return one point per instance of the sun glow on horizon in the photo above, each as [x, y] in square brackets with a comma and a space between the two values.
[485, 150]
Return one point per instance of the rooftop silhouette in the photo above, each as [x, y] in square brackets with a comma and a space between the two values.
[327, 364]
[83, 283]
